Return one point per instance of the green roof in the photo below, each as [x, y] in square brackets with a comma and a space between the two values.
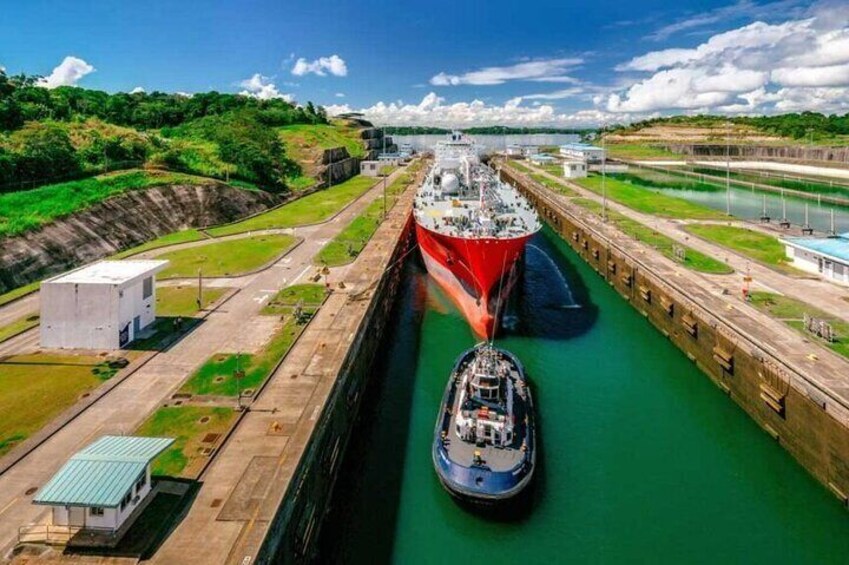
[102, 473]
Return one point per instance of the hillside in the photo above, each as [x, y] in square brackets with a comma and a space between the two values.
[47, 136]
[786, 129]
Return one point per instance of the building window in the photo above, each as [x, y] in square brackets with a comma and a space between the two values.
[141, 482]
[147, 287]
[126, 500]
[95, 511]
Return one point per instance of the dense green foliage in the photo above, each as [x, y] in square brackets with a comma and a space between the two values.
[48, 135]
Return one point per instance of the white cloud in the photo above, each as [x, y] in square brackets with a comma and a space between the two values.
[68, 73]
[759, 67]
[137, 90]
[335, 65]
[741, 9]
[433, 110]
[259, 86]
[340, 95]
[542, 70]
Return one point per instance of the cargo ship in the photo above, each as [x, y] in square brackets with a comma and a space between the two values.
[484, 446]
[472, 230]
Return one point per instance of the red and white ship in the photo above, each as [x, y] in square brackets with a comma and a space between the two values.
[471, 230]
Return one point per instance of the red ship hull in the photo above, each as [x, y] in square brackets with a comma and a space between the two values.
[471, 272]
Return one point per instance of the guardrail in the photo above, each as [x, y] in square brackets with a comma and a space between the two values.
[62, 535]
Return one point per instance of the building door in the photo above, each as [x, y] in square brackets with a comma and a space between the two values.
[136, 326]
[76, 516]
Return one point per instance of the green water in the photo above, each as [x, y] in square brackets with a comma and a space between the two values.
[642, 458]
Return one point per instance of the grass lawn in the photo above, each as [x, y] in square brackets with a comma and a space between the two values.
[792, 311]
[18, 292]
[173, 301]
[310, 209]
[345, 247]
[639, 151]
[325, 136]
[755, 245]
[282, 303]
[20, 325]
[185, 236]
[649, 202]
[553, 185]
[216, 376]
[29, 209]
[185, 425]
[34, 389]
[693, 259]
[226, 258]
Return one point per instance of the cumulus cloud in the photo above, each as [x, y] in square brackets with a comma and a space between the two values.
[759, 67]
[433, 110]
[260, 86]
[68, 73]
[137, 90]
[340, 95]
[335, 65]
[542, 70]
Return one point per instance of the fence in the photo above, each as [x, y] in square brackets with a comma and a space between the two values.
[63, 535]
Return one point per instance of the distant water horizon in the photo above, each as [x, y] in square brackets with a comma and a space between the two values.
[490, 142]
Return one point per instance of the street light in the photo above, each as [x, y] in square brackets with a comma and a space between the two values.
[728, 168]
[603, 174]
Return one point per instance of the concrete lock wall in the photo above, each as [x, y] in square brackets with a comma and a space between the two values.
[294, 531]
[798, 416]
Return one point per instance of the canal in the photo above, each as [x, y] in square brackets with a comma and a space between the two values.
[748, 204]
[642, 459]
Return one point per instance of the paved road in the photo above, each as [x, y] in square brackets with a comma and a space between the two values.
[236, 326]
[822, 294]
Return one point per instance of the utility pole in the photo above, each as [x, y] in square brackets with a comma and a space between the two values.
[237, 375]
[728, 168]
[384, 194]
[603, 174]
[200, 289]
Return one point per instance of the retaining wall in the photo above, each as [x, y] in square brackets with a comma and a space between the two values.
[769, 152]
[808, 421]
[294, 532]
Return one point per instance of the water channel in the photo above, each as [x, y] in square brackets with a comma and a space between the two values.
[643, 459]
[749, 205]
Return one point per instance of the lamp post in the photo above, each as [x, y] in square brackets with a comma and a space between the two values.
[238, 374]
[603, 174]
[728, 168]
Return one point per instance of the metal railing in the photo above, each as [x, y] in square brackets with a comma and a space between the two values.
[62, 535]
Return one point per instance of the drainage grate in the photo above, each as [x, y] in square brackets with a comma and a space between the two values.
[31, 490]
[210, 438]
[216, 503]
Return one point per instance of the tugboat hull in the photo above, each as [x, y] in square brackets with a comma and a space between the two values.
[502, 473]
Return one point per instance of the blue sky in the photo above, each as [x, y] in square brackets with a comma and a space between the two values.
[451, 62]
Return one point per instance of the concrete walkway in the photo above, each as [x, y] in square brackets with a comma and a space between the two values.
[817, 292]
[236, 326]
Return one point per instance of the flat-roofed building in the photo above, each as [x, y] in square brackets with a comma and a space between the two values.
[102, 489]
[541, 159]
[825, 256]
[102, 306]
[582, 152]
[574, 169]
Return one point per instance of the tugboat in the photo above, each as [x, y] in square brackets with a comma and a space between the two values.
[484, 447]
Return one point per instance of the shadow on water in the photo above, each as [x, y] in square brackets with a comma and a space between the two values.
[551, 301]
[372, 470]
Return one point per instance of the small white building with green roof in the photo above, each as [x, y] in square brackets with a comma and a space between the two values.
[104, 487]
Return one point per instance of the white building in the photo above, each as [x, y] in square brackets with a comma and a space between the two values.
[528, 150]
[824, 256]
[574, 169]
[541, 159]
[371, 168]
[582, 152]
[102, 306]
[514, 150]
[104, 487]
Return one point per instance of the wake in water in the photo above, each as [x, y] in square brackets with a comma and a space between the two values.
[570, 302]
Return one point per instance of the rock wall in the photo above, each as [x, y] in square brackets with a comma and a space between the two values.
[120, 223]
[767, 152]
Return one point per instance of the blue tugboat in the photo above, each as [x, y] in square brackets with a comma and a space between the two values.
[484, 444]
